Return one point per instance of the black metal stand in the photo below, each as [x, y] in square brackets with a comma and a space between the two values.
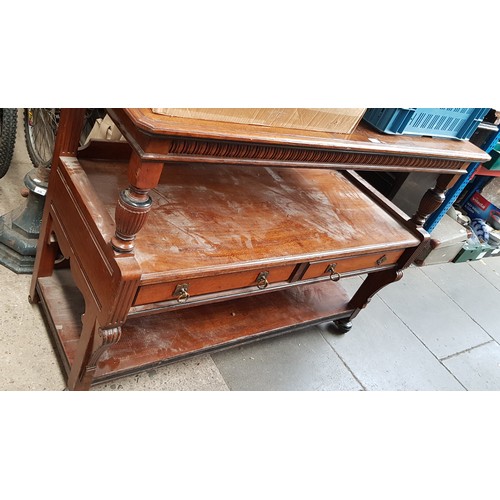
[20, 228]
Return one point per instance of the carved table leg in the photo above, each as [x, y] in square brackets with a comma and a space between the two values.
[433, 198]
[105, 339]
[134, 203]
[373, 283]
[45, 258]
[67, 140]
[94, 340]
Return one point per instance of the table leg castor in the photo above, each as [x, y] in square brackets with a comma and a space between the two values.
[341, 326]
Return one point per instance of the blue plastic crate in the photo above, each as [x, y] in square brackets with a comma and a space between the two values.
[457, 123]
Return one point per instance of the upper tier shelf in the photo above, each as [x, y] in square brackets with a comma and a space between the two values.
[205, 140]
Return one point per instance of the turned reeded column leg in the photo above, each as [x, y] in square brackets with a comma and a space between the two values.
[134, 203]
[131, 212]
[433, 198]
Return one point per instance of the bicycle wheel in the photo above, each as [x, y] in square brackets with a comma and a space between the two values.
[8, 125]
[40, 127]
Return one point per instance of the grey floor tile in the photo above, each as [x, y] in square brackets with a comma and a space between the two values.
[350, 285]
[431, 315]
[479, 368]
[384, 354]
[489, 269]
[299, 361]
[474, 294]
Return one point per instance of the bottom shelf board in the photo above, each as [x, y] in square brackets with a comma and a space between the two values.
[149, 341]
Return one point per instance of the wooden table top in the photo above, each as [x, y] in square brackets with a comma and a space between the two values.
[364, 139]
[205, 220]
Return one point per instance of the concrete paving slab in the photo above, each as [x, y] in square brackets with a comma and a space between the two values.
[489, 269]
[479, 368]
[384, 354]
[474, 294]
[431, 315]
[196, 374]
[299, 361]
[27, 358]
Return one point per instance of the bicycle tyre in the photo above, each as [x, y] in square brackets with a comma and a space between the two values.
[8, 127]
[40, 127]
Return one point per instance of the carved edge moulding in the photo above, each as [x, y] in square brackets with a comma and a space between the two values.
[248, 152]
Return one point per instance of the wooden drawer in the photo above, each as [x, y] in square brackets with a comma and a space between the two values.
[351, 264]
[160, 292]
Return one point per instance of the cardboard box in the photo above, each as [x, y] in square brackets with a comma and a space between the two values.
[105, 130]
[478, 207]
[447, 239]
[337, 120]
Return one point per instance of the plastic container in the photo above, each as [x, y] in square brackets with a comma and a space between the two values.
[447, 239]
[471, 251]
[494, 163]
[457, 123]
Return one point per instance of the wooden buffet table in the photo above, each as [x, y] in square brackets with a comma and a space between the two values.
[196, 235]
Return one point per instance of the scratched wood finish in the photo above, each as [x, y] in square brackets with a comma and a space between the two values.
[157, 139]
[368, 261]
[271, 216]
[148, 341]
[363, 139]
[179, 201]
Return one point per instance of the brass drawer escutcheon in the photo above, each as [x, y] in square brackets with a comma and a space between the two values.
[334, 276]
[181, 292]
[262, 280]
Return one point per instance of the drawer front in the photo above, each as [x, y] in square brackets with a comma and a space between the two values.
[351, 264]
[256, 279]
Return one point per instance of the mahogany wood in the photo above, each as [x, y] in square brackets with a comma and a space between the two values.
[191, 212]
[149, 341]
[267, 219]
[342, 266]
[143, 122]
[67, 140]
[433, 198]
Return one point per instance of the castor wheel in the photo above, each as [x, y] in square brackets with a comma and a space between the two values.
[340, 326]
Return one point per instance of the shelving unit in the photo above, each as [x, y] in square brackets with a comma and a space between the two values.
[490, 135]
[225, 234]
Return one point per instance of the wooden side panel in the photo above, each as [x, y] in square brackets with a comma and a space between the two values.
[78, 241]
[83, 228]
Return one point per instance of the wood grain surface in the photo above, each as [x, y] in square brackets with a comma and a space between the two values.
[363, 139]
[208, 220]
[149, 341]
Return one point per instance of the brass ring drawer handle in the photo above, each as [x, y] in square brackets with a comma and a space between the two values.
[181, 292]
[262, 280]
[334, 276]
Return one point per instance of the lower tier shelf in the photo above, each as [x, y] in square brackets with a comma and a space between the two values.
[149, 341]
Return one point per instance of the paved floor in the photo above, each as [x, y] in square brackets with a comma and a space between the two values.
[437, 329]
